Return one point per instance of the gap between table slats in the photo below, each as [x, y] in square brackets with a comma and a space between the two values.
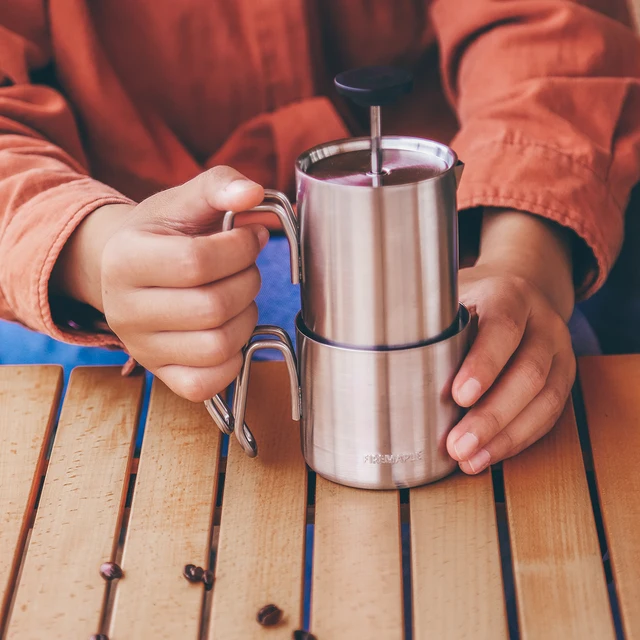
[559, 577]
[457, 582]
[260, 557]
[170, 522]
[29, 398]
[611, 392]
[61, 593]
[357, 564]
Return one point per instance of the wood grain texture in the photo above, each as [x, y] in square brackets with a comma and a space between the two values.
[357, 564]
[611, 392]
[455, 561]
[560, 584]
[60, 595]
[260, 557]
[29, 399]
[170, 522]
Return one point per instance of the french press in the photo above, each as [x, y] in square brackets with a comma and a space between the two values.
[380, 335]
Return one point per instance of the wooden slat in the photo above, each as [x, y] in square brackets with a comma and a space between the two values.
[260, 557]
[455, 561]
[559, 577]
[611, 391]
[60, 595]
[357, 564]
[170, 523]
[29, 398]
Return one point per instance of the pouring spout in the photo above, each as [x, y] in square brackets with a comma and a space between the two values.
[458, 169]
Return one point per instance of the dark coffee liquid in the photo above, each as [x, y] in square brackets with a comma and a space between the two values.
[399, 167]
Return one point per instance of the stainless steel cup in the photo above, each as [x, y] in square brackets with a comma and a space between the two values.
[375, 419]
[378, 264]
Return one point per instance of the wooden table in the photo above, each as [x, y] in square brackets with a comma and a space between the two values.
[182, 502]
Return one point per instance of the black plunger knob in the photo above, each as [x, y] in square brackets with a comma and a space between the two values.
[374, 86]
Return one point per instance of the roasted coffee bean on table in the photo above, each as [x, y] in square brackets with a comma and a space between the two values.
[193, 573]
[269, 615]
[110, 571]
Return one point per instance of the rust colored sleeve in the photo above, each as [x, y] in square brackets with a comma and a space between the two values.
[548, 97]
[45, 188]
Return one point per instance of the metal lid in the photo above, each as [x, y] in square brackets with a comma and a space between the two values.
[405, 160]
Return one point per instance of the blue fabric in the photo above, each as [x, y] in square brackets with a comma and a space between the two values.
[278, 303]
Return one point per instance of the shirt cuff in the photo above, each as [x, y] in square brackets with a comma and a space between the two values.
[547, 182]
[35, 238]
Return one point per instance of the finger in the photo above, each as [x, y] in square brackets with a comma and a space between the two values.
[200, 201]
[519, 384]
[196, 309]
[499, 334]
[199, 348]
[534, 421]
[155, 260]
[200, 384]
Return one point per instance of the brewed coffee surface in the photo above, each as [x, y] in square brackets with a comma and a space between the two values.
[399, 166]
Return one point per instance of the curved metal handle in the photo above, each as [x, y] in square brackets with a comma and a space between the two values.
[280, 341]
[278, 203]
[217, 407]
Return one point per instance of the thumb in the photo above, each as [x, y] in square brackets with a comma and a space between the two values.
[197, 206]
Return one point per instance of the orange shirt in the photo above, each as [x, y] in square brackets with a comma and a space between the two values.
[109, 101]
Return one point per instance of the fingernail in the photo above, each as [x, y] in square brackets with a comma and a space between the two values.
[469, 392]
[263, 236]
[479, 461]
[466, 445]
[240, 186]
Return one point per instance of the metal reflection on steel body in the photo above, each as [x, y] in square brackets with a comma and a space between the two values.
[379, 419]
[378, 265]
[375, 419]
[381, 334]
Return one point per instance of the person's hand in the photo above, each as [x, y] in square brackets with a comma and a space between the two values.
[178, 293]
[520, 369]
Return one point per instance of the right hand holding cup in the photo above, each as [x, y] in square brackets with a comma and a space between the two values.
[179, 294]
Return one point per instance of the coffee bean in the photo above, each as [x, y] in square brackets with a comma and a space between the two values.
[269, 615]
[193, 573]
[299, 634]
[207, 580]
[110, 571]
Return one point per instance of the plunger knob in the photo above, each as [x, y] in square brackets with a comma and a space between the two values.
[374, 87]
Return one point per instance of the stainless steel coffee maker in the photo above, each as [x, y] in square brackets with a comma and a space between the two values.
[380, 335]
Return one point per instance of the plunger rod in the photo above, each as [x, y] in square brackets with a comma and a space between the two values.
[376, 150]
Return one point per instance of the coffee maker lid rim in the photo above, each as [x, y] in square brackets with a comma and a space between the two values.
[303, 157]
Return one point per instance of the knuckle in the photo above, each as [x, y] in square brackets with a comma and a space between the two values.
[248, 243]
[189, 263]
[489, 419]
[218, 344]
[555, 399]
[215, 306]
[535, 371]
[191, 387]
[504, 444]
[509, 327]
[255, 279]
[520, 289]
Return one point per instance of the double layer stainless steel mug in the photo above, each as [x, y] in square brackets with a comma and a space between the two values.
[381, 334]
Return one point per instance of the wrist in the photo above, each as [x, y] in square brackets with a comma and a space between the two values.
[533, 248]
[77, 272]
